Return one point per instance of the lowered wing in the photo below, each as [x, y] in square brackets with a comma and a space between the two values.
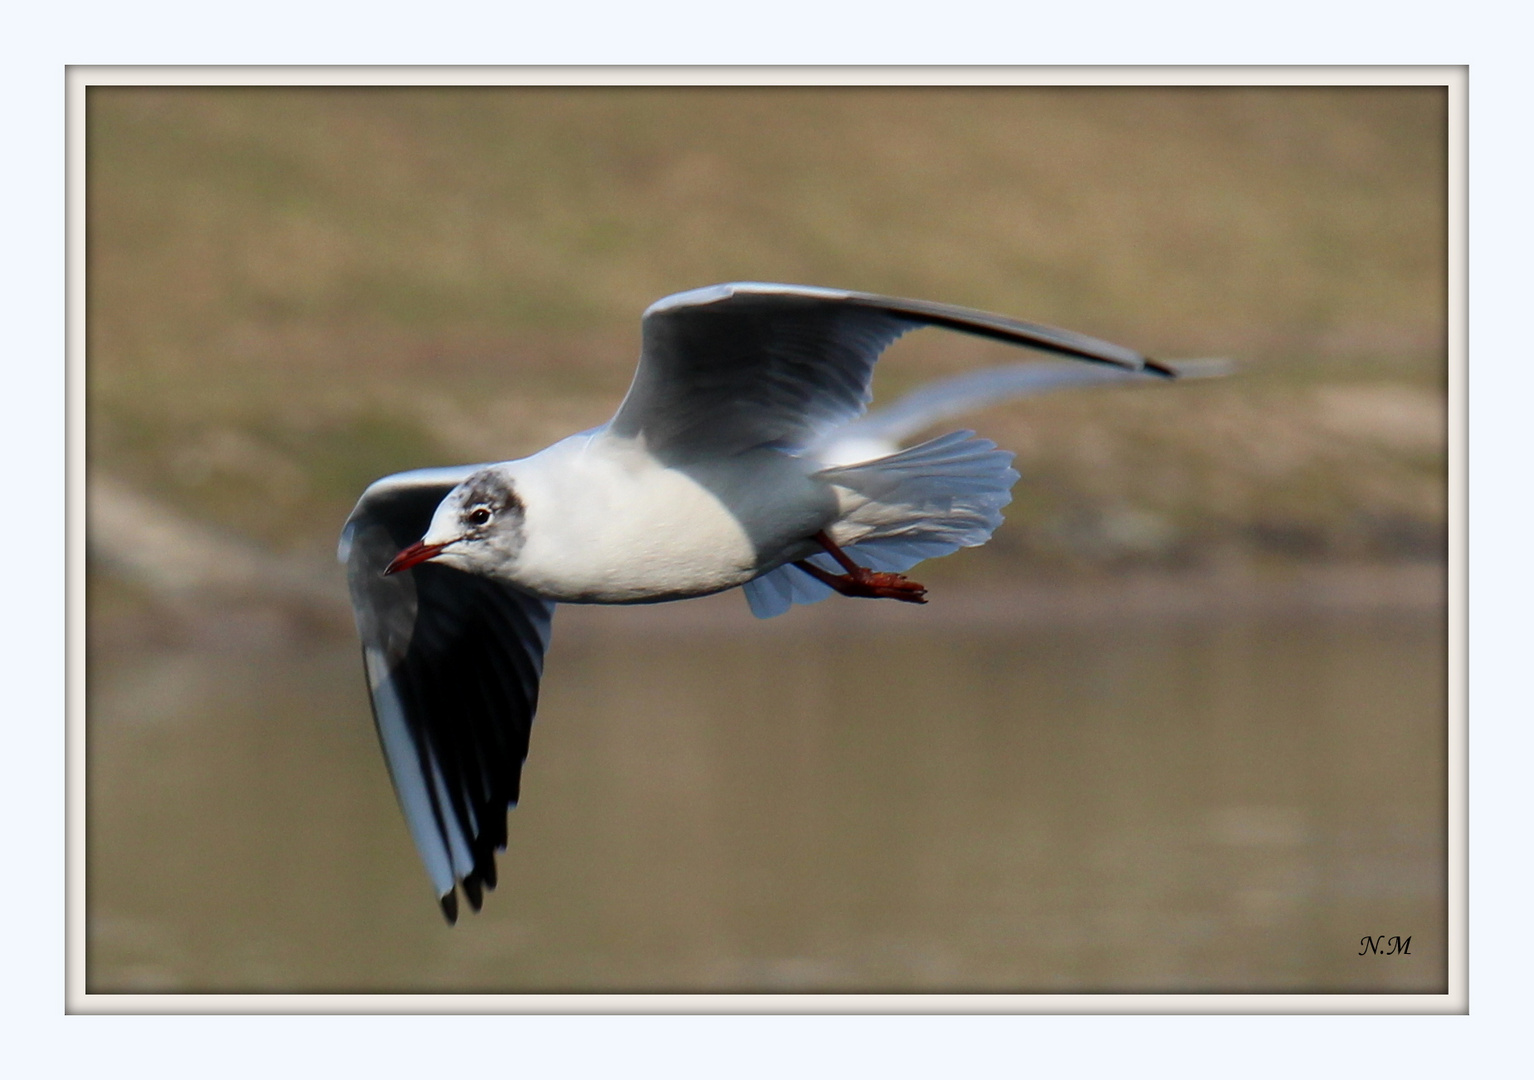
[453, 662]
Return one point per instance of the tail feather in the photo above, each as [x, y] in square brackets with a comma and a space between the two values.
[945, 493]
[921, 503]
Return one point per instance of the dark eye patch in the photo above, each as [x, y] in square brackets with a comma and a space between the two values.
[488, 496]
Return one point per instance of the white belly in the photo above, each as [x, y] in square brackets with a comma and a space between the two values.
[606, 524]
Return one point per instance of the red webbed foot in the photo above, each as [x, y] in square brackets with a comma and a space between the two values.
[861, 581]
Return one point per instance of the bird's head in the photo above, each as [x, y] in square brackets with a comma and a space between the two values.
[476, 528]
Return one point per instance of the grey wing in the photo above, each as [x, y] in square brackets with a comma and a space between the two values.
[881, 431]
[453, 662]
[730, 367]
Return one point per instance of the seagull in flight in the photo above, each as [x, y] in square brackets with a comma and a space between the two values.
[736, 459]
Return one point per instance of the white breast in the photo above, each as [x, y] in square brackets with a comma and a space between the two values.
[607, 523]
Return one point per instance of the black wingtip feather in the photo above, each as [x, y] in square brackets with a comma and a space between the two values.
[483, 874]
[449, 902]
[1156, 367]
[472, 890]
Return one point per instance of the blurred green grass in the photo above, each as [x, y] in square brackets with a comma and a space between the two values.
[292, 291]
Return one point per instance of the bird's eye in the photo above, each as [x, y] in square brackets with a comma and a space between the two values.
[479, 516]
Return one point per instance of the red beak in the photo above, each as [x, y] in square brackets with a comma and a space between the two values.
[415, 553]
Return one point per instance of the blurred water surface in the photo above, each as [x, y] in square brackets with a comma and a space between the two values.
[1117, 805]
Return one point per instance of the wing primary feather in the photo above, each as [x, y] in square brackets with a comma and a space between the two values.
[472, 891]
[411, 786]
[418, 707]
[1015, 331]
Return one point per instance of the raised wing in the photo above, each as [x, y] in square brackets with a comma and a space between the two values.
[453, 662]
[731, 367]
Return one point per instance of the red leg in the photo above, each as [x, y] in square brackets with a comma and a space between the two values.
[861, 581]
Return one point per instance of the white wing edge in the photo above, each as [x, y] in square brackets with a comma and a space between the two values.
[710, 294]
[447, 474]
[443, 865]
